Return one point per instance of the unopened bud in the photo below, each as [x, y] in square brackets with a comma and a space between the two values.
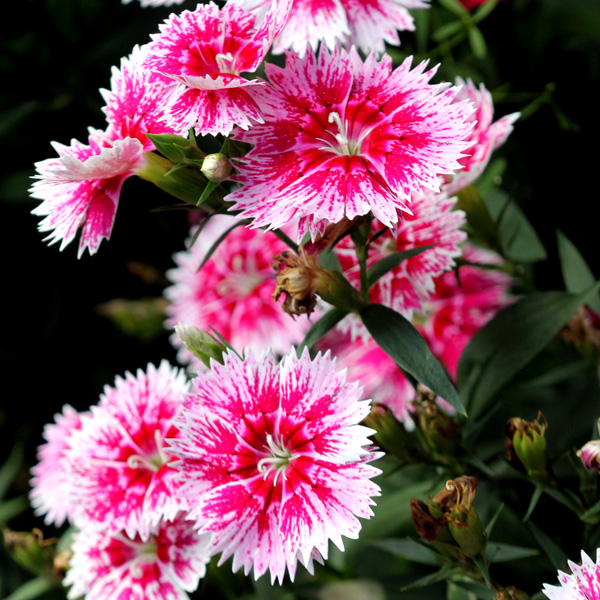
[511, 593]
[30, 550]
[391, 435]
[590, 456]
[216, 167]
[201, 344]
[439, 429]
[526, 445]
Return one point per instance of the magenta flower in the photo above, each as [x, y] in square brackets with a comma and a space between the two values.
[485, 136]
[204, 52]
[460, 307]
[114, 566]
[273, 460]
[233, 292]
[51, 482]
[405, 288]
[121, 478]
[343, 138]
[583, 583]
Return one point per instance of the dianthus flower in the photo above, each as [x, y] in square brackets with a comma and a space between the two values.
[343, 138]
[81, 188]
[51, 482]
[405, 288]
[273, 460]
[114, 566]
[583, 583]
[485, 136]
[232, 292]
[121, 478]
[367, 24]
[204, 52]
[461, 305]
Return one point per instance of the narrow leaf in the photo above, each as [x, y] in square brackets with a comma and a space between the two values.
[477, 42]
[410, 550]
[557, 557]
[444, 573]
[10, 468]
[454, 6]
[33, 589]
[484, 10]
[388, 263]
[590, 512]
[535, 497]
[328, 321]
[400, 340]
[502, 347]
[481, 590]
[496, 552]
[211, 186]
[328, 260]
[575, 271]
[492, 522]
[285, 239]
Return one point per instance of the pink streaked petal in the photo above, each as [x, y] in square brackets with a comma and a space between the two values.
[213, 111]
[583, 583]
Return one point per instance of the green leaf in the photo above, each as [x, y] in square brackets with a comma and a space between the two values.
[557, 557]
[218, 241]
[33, 589]
[479, 217]
[482, 566]
[444, 573]
[10, 468]
[496, 552]
[454, 6]
[211, 186]
[447, 30]
[484, 10]
[386, 264]
[575, 271]
[477, 42]
[490, 526]
[518, 238]
[13, 507]
[479, 589]
[400, 340]
[590, 512]
[410, 550]
[502, 347]
[329, 320]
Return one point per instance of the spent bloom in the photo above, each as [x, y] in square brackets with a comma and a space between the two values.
[583, 583]
[51, 482]
[232, 292]
[204, 53]
[121, 478]
[367, 24]
[273, 460]
[485, 137]
[114, 566]
[344, 137]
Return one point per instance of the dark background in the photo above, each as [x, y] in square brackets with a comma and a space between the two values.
[55, 348]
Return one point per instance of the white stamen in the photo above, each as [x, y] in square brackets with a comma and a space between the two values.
[279, 460]
[344, 146]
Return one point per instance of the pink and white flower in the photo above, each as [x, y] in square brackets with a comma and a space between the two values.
[114, 566]
[51, 492]
[461, 305]
[81, 188]
[485, 136]
[121, 478]
[433, 222]
[583, 583]
[204, 52]
[367, 24]
[273, 460]
[233, 292]
[343, 138]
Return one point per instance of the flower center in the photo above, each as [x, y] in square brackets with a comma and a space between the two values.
[152, 462]
[278, 460]
[344, 145]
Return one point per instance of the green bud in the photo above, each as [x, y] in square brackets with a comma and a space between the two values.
[391, 436]
[526, 445]
[440, 430]
[175, 148]
[201, 344]
[467, 530]
[30, 550]
[510, 593]
[216, 167]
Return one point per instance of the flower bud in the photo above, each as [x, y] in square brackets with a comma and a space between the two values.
[590, 455]
[510, 593]
[391, 435]
[526, 445]
[440, 431]
[216, 167]
[201, 344]
[30, 550]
